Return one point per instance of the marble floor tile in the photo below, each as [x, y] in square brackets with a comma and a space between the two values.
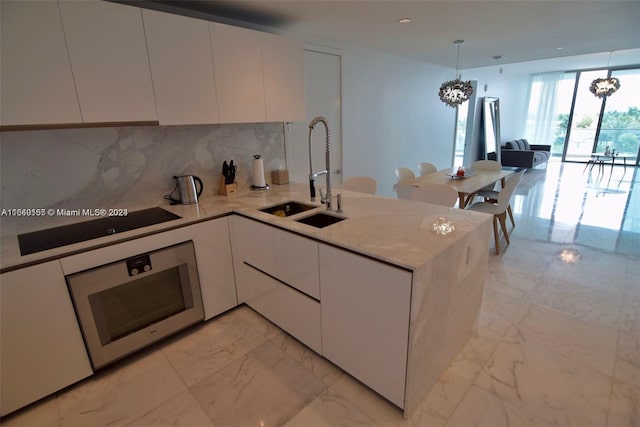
[480, 408]
[520, 258]
[321, 367]
[180, 411]
[591, 273]
[376, 407]
[630, 316]
[624, 408]
[44, 413]
[255, 319]
[632, 286]
[545, 387]
[263, 387]
[120, 395]
[577, 301]
[628, 359]
[499, 311]
[511, 281]
[475, 353]
[442, 400]
[587, 344]
[213, 346]
[433, 412]
[330, 409]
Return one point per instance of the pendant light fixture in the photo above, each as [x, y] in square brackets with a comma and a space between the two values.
[455, 92]
[602, 88]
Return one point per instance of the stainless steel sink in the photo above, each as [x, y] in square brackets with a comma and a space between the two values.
[288, 208]
[320, 219]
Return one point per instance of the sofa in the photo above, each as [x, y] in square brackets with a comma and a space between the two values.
[519, 153]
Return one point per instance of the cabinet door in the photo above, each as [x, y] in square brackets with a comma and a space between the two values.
[291, 310]
[283, 78]
[215, 266]
[237, 65]
[365, 319]
[37, 84]
[182, 68]
[109, 61]
[42, 348]
[286, 256]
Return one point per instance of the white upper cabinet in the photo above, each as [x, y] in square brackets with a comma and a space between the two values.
[283, 78]
[37, 84]
[181, 67]
[237, 62]
[109, 61]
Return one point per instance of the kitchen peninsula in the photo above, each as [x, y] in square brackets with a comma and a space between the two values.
[391, 300]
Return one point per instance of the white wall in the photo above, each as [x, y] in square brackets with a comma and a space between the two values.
[511, 87]
[392, 116]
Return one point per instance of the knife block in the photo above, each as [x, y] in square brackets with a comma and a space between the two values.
[227, 189]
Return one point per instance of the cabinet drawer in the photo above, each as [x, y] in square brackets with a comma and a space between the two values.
[281, 254]
[294, 312]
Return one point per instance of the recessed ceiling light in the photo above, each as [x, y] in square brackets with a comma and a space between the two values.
[404, 20]
[559, 48]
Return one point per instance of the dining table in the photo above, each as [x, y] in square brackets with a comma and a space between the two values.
[466, 186]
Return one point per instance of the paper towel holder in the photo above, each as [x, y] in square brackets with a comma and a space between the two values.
[258, 170]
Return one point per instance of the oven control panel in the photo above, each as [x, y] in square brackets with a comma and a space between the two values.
[139, 264]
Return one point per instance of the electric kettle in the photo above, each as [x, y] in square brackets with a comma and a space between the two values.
[187, 189]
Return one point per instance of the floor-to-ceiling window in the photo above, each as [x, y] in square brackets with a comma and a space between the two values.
[620, 128]
[563, 113]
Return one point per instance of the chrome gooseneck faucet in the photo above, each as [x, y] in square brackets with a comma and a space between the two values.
[312, 176]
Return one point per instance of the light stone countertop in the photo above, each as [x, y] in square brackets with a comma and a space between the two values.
[396, 231]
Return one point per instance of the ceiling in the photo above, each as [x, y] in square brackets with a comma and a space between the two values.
[515, 30]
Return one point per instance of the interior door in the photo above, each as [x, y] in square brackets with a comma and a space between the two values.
[322, 87]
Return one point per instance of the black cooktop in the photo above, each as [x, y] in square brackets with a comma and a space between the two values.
[56, 237]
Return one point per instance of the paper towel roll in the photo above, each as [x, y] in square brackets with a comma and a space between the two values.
[258, 173]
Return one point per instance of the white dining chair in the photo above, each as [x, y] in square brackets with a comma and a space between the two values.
[491, 196]
[361, 184]
[499, 208]
[403, 191]
[491, 165]
[403, 174]
[487, 165]
[437, 194]
[426, 167]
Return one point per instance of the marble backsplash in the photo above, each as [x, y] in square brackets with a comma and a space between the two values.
[126, 167]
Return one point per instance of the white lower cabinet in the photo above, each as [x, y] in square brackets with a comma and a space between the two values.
[42, 349]
[365, 319]
[294, 312]
[286, 256]
[277, 275]
[215, 266]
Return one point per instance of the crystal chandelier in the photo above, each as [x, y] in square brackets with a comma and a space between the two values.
[455, 92]
[605, 87]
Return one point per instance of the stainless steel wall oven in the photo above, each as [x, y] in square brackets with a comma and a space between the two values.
[129, 304]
